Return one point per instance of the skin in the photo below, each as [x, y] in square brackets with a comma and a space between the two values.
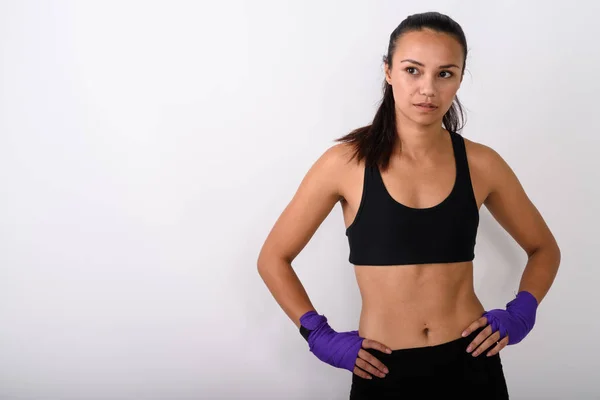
[409, 306]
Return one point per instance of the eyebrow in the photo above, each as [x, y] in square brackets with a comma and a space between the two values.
[421, 64]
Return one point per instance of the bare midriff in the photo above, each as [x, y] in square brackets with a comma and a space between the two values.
[407, 306]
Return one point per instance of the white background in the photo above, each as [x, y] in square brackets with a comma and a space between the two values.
[147, 148]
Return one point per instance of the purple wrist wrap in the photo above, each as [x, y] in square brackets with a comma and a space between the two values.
[517, 320]
[337, 349]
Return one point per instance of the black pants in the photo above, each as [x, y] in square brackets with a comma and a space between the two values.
[435, 372]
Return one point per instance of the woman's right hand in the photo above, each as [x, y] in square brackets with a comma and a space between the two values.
[367, 364]
[343, 349]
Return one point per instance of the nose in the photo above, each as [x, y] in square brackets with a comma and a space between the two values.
[427, 87]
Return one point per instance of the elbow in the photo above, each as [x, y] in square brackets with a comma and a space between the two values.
[264, 257]
[557, 252]
[270, 256]
[265, 261]
[550, 248]
[261, 262]
[554, 249]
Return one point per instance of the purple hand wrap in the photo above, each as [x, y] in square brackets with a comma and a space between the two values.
[517, 320]
[337, 349]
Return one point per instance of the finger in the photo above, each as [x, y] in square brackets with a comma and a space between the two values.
[362, 373]
[373, 344]
[375, 366]
[479, 338]
[499, 346]
[482, 321]
[368, 367]
[490, 341]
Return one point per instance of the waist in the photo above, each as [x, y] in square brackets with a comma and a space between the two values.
[417, 306]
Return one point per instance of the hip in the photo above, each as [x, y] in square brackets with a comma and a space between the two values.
[427, 372]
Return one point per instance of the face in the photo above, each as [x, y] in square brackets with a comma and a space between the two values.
[426, 68]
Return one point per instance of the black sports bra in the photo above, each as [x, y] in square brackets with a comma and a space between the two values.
[386, 232]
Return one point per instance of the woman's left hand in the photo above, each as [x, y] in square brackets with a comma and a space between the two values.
[485, 339]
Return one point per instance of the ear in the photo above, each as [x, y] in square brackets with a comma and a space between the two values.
[388, 77]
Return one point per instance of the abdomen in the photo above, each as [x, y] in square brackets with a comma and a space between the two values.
[416, 305]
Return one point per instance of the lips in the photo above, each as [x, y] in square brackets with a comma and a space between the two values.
[429, 105]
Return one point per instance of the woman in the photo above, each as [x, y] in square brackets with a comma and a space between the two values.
[411, 188]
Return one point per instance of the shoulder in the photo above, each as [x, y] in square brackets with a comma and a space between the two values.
[332, 167]
[481, 155]
[337, 154]
[488, 166]
[336, 160]
[483, 158]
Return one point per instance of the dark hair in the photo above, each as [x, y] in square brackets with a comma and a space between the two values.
[376, 141]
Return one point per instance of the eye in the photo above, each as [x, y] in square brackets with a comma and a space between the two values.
[448, 72]
[407, 69]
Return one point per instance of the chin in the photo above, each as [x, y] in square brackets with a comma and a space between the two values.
[426, 120]
[421, 119]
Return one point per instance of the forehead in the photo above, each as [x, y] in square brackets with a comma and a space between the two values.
[429, 46]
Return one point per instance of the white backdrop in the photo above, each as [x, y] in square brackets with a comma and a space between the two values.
[146, 149]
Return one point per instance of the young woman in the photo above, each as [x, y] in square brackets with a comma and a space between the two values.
[411, 188]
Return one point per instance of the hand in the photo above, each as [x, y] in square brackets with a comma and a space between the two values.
[518, 319]
[367, 362]
[485, 338]
[342, 349]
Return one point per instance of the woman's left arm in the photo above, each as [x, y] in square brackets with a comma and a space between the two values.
[511, 207]
[508, 203]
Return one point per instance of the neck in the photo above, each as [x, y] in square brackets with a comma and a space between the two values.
[418, 141]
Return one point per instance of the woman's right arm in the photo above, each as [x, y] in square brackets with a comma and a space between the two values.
[317, 194]
[314, 199]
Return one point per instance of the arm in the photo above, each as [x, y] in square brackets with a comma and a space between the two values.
[508, 203]
[315, 198]
[511, 207]
[319, 191]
